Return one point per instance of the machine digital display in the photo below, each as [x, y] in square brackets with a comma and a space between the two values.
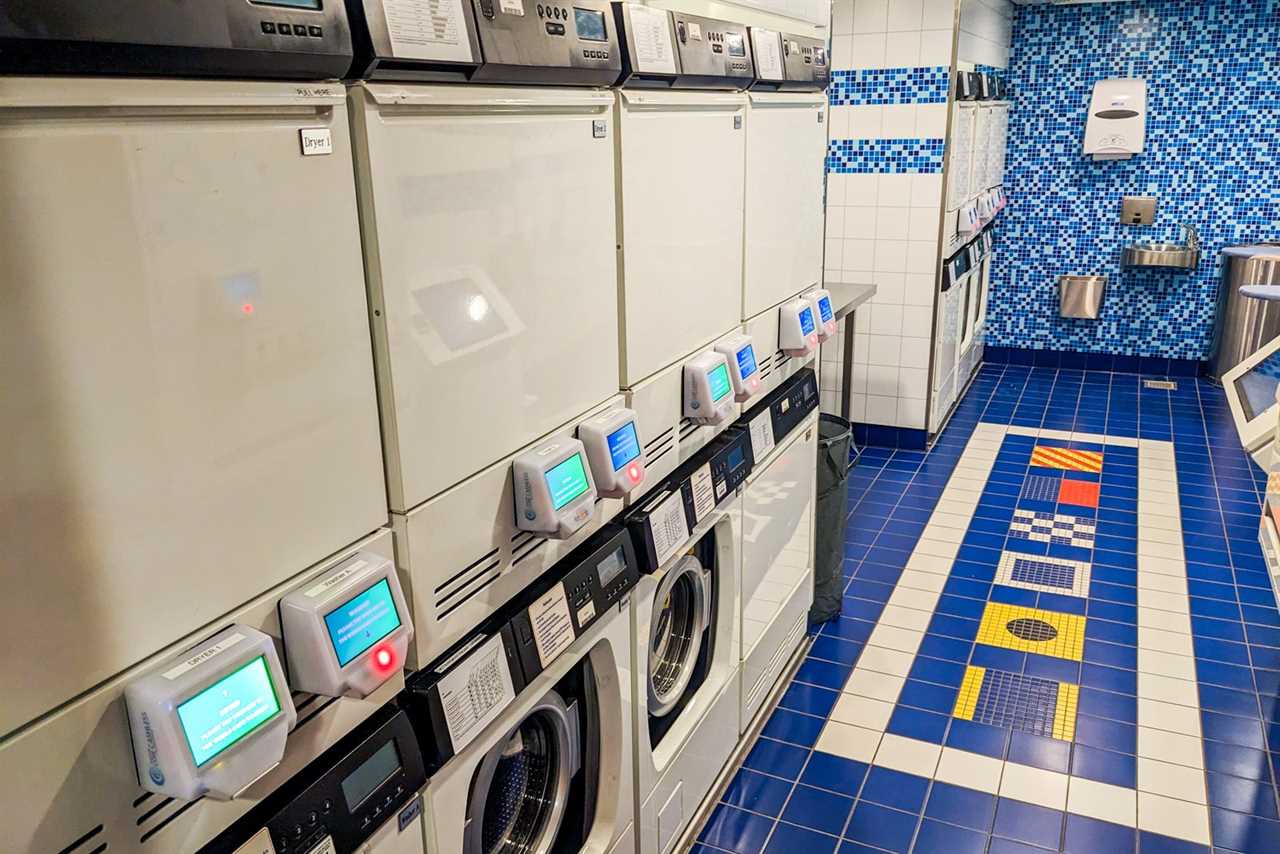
[736, 459]
[747, 361]
[611, 567]
[590, 24]
[228, 710]
[624, 445]
[362, 621]
[806, 321]
[290, 4]
[824, 308]
[372, 773]
[737, 47]
[720, 385]
[567, 481]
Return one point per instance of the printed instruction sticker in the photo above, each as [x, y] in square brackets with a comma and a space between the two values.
[476, 692]
[695, 31]
[768, 56]
[761, 430]
[704, 493]
[669, 527]
[652, 32]
[512, 7]
[552, 627]
[428, 29]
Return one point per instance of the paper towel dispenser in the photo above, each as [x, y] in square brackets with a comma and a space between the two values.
[1117, 125]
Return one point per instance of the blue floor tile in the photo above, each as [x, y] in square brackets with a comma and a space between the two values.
[835, 773]
[1028, 823]
[757, 792]
[966, 807]
[882, 827]
[818, 809]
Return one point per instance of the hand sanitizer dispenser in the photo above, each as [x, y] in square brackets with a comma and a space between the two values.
[1117, 126]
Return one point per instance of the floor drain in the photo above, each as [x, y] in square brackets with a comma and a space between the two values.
[1163, 385]
[1027, 629]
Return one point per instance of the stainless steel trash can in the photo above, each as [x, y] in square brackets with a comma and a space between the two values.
[1080, 297]
[1242, 325]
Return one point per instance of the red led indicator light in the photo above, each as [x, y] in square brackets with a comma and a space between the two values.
[247, 308]
[634, 471]
[384, 660]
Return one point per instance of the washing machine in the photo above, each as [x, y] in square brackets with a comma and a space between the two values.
[191, 414]
[785, 169]
[681, 157]
[777, 535]
[685, 639]
[486, 179]
[526, 727]
[950, 326]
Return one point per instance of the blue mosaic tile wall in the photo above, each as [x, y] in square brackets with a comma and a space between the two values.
[885, 156]
[872, 86]
[1213, 145]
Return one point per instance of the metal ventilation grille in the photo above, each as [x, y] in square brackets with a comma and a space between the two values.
[660, 446]
[765, 365]
[460, 587]
[524, 544]
[688, 428]
[81, 845]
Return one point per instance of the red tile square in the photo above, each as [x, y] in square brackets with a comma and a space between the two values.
[1080, 493]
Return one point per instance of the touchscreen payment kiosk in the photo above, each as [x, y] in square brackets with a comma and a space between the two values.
[348, 632]
[824, 318]
[213, 722]
[1252, 388]
[612, 440]
[708, 388]
[740, 352]
[797, 330]
[554, 492]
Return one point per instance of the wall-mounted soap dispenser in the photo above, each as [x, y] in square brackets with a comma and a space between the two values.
[1117, 126]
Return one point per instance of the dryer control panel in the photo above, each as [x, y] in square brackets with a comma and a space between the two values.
[740, 351]
[792, 402]
[528, 41]
[572, 597]
[612, 440]
[824, 317]
[554, 492]
[712, 52]
[708, 388]
[797, 328]
[805, 60]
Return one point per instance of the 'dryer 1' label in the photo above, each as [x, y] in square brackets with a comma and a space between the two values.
[316, 141]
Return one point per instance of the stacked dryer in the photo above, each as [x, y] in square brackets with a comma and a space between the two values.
[191, 424]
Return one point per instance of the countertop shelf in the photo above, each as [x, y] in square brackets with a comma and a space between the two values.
[846, 297]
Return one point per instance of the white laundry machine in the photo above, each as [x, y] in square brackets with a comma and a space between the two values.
[777, 535]
[785, 169]
[685, 639]
[526, 726]
[190, 413]
[488, 216]
[681, 155]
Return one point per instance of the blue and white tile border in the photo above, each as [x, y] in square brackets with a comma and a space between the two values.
[1170, 797]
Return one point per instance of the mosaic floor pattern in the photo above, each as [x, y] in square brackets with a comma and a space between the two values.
[1058, 634]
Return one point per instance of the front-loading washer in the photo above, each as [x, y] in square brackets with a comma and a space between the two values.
[527, 725]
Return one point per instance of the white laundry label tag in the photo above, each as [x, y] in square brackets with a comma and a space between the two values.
[668, 527]
[586, 613]
[695, 31]
[315, 141]
[336, 579]
[552, 627]
[324, 846]
[768, 56]
[652, 32]
[704, 493]
[476, 692]
[761, 429]
[193, 661]
[259, 843]
[428, 29]
[512, 7]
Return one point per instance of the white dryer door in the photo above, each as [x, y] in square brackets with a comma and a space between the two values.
[189, 409]
[682, 165]
[786, 147]
[489, 223]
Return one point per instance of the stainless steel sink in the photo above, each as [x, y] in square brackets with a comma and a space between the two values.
[1178, 255]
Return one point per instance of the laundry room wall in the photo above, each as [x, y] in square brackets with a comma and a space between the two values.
[891, 64]
[1213, 72]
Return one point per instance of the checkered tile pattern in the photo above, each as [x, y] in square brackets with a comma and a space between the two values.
[1041, 488]
[1012, 700]
[1059, 528]
[1046, 574]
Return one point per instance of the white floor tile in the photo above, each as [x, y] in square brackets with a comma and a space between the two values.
[851, 742]
[1164, 664]
[1170, 780]
[920, 600]
[892, 637]
[1154, 618]
[1173, 551]
[1176, 691]
[1172, 602]
[1034, 785]
[1116, 804]
[905, 618]
[1159, 535]
[1173, 643]
[862, 711]
[1172, 747]
[1168, 717]
[888, 661]
[1170, 817]
[920, 580]
[970, 770]
[930, 563]
[1176, 584]
[958, 521]
[940, 548]
[908, 755]
[879, 686]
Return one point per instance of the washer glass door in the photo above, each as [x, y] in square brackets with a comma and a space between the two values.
[675, 633]
[521, 787]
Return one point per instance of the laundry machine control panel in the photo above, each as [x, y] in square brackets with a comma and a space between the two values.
[792, 402]
[294, 39]
[555, 494]
[615, 451]
[805, 60]
[580, 590]
[740, 352]
[674, 49]
[729, 457]
[797, 328]
[349, 632]
[708, 388]
[824, 317]
[711, 49]
[528, 41]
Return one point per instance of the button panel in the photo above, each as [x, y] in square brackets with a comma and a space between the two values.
[283, 28]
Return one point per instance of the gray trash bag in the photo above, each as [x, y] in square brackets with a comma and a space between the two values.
[834, 437]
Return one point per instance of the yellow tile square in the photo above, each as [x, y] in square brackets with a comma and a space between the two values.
[1032, 630]
[970, 688]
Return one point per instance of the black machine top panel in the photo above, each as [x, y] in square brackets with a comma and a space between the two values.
[489, 41]
[267, 39]
[681, 51]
